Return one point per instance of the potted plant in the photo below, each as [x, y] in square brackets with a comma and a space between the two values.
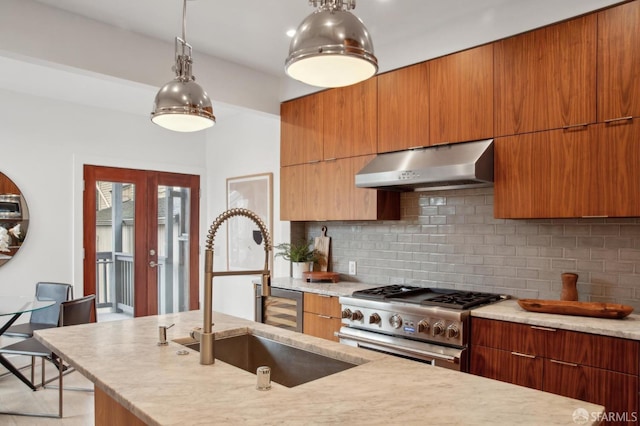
[301, 255]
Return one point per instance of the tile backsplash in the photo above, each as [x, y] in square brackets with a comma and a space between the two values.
[451, 239]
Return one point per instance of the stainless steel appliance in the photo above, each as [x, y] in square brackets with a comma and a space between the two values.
[424, 324]
[11, 206]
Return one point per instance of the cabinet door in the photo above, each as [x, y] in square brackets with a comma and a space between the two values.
[511, 367]
[619, 61]
[370, 204]
[301, 130]
[542, 175]
[615, 151]
[350, 120]
[403, 108]
[339, 186]
[292, 188]
[546, 79]
[616, 391]
[461, 96]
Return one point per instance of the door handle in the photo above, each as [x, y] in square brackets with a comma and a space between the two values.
[153, 264]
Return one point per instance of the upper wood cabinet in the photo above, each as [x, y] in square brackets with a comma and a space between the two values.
[403, 108]
[619, 62]
[539, 174]
[579, 172]
[326, 190]
[301, 130]
[350, 117]
[461, 96]
[545, 79]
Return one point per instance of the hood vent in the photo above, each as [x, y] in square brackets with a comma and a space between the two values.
[452, 166]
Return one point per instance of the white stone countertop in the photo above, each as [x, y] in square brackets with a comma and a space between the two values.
[341, 288]
[163, 388]
[509, 310]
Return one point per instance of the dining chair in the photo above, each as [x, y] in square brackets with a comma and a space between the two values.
[47, 317]
[72, 312]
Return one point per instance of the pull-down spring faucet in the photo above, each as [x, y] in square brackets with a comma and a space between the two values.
[207, 351]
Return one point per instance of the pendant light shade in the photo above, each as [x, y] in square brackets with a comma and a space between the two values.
[181, 104]
[331, 47]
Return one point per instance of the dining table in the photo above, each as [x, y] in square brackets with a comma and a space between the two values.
[13, 307]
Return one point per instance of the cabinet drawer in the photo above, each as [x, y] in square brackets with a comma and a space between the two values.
[609, 353]
[322, 305]
[321, 326]
[510, 367]
[616, 391]
[508, 336]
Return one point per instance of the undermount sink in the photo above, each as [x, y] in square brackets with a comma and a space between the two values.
[290, 366]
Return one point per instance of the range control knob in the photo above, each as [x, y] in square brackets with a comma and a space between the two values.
[452, 332]
[374, 319]
[423, 326]
[438, 328]
[346, 313]
[356, 316]
[395, 321]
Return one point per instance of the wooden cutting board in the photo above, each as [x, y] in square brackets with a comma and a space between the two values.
[316, 276]
[322, 244]
[585, 309]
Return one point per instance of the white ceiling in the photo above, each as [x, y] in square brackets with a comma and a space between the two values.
[252, 32]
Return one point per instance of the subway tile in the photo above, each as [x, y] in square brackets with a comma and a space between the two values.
[624, 267]
[618, 242]
[603, 254]
[593, 242]
[551, 252]
[590, 265]
[563, 264]
[539, 240]
[577, 230]
[578, 253]
[567, 242]
[632, 255]
[550, 229]
[527, 273]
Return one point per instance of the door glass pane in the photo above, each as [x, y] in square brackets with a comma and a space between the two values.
[115, 204]
[173, 249]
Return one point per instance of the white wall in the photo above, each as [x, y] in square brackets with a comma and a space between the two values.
[244, 144]
[43, 145]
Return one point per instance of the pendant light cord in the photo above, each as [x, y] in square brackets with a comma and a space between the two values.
[184, 21]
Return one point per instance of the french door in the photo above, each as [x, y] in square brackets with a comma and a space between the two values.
[141, 240]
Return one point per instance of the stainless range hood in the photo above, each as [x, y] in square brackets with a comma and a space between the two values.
[452, 166]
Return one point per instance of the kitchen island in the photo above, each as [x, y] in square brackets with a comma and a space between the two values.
[161, 387]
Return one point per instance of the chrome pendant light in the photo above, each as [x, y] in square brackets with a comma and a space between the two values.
[182, 105]
[331, 47]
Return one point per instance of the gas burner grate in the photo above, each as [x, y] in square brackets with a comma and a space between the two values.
[461, 299]
[388, 291]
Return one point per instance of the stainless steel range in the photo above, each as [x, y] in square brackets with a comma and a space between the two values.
[424, 324]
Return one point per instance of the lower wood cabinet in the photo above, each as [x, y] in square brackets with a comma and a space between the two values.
[598, 369]
[322, 316]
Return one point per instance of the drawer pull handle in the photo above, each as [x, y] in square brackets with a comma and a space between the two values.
[569, 364]
[314, 161]
[573, 126]
[330, 159]
[535, 327]
[523, 355]
[613, 120]
[324, 316]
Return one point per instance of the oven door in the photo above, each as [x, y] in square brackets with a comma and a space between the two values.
[441, 356]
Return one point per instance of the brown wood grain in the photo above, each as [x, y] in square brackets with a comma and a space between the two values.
[7, 186]
[616, 391]
[301, 130]
[586, 309]
[546, 79]
[350, 120]
[292, 201]
[108, 412]
[320, 326]
[403, 108]
[619, 61]
[508, 336]
[507, 367]
[461, 96]
[322, 305]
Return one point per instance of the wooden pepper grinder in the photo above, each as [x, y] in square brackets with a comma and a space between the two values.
[569, 290]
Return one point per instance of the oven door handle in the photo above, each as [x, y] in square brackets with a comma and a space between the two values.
[410, 351]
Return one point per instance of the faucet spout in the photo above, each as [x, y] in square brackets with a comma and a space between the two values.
[207, 350]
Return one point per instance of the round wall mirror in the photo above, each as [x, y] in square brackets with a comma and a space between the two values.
[14, 219]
